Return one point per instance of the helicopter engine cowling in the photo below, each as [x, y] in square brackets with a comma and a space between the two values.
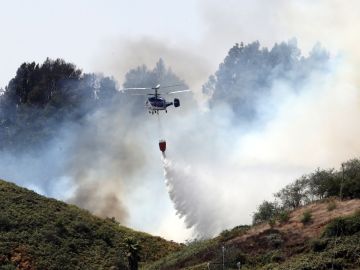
[176, 102]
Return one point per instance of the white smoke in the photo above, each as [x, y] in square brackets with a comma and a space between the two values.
[316, 128]
[128, 53]
[219, 172]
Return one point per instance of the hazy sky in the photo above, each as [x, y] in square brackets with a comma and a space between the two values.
[86, 32]
[80, 30]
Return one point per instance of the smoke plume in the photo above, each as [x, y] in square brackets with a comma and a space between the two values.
[224, 171]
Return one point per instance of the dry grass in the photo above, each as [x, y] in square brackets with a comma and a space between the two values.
[320, 217]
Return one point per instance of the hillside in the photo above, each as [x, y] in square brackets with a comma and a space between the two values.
[41, 233]
[329, 239]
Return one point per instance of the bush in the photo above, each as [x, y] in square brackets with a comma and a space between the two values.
[233, 255]
[307, 217]
[318, 245]
[265, 212]
[275, 240]
[277, 258]
[343, 226]
[5, 223]
[331, 206]
[269, 258]
[284, 217]
[234, 232]
[8, 267]
[272, 222]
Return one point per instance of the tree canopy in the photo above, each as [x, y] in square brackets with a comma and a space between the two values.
[246, 76]
[320, 184]
[42, 97]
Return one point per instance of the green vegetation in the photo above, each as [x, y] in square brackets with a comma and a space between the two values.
[343, 226]
[318, 245]
[272, 222]
[306, 217]
[41, 98]
[283, 216]
[133, 253]
[234, 232]
[249, 71]
[48, 234]
[196, 252]
[265, 212]
[321, 184]
[337, 248]
[331, 206]
[341, 253]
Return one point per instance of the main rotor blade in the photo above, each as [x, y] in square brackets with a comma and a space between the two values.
[180, 91]
[144, 94]
[136, 88]
[167, 86]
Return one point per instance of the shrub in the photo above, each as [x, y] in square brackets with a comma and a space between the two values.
[265, 212]
[236, 231]
[275, 240]
[234, 255]
[318, 245]
[307, 217]
[269, 258]
[272, 222]
[331, 206]
[5, 223]
[284, 217]
[276, 258]
[8, 267]
[343, 226]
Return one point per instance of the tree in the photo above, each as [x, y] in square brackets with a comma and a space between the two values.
[295, 194]
[351, 183]
[133, 253]
[40, 98]
[247, 75]
[265, 212]
[324, 183]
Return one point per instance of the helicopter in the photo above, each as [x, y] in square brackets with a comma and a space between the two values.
[155, 102]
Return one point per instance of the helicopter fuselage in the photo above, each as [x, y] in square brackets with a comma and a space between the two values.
[157, 104]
